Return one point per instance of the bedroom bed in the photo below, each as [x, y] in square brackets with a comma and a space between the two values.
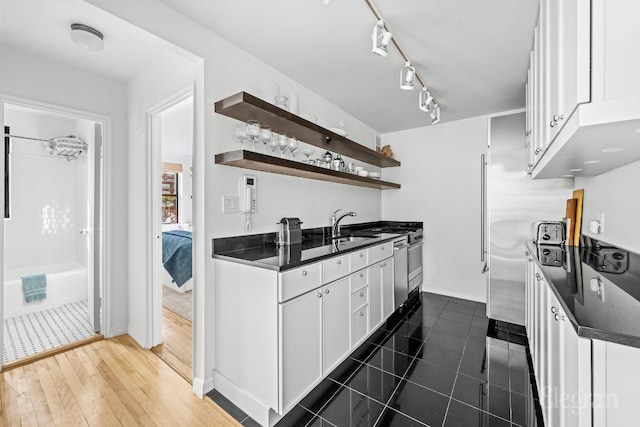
[177, 257]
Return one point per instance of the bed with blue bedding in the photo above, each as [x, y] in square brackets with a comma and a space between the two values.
[177, 254]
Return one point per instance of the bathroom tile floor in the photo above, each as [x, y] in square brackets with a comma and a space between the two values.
[438, 363]
[33, 333]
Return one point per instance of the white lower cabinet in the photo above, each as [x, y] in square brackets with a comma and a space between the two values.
[336, 343]
[301, 346]
[561, 359]
[381, 303]
[291, 329]
[616, 396]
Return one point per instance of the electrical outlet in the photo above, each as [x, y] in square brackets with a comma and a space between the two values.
[230, 204]
[600, 219]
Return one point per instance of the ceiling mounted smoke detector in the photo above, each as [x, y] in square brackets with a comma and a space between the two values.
[87, 38]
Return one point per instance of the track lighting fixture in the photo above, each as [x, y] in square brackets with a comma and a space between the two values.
[407, 76]
[381, 38]
[424, 99]
[435, 114]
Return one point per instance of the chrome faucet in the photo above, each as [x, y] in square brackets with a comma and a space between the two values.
[335, 222]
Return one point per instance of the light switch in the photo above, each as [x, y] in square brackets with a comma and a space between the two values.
[230, 204]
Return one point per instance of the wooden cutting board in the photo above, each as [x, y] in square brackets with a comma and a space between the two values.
[577, 230]
[572, 205]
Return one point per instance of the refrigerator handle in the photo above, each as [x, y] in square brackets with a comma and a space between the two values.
[483, 201]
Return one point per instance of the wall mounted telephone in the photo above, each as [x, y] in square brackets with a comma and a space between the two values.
[248, 192]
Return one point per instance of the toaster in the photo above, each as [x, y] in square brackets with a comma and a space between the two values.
[549, 232]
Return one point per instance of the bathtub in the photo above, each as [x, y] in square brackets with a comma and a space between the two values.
[65, 283]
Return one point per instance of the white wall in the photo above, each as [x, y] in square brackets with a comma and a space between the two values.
[440, 177]
[26, 76]
[617, 195]
[163, 77]
[228, 70]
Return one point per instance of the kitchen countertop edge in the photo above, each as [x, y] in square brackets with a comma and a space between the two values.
[582, 331]
[365, 244]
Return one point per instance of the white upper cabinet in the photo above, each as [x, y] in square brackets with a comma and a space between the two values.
[585, 94]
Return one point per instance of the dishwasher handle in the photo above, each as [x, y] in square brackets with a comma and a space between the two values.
[400, 247]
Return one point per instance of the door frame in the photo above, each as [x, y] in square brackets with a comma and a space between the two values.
[154, 205]
[101, 271]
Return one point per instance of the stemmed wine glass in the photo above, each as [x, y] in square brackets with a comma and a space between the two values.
[283, 143]
[241, 133]
[253, 132]
[273, 143]
[265, 136]
[293, 146]
[308, 152]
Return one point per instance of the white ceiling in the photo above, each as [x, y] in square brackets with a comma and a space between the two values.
[472, 54]
[42, 27]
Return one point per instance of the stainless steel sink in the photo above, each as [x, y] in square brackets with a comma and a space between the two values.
[349, 239]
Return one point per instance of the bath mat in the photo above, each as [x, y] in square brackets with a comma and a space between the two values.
[33, 333]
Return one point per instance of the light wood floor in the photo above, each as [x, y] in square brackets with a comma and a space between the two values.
[106, 383]
[177, 346]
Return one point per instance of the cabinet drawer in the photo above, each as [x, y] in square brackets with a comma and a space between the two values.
[359, 259]
[380, 252]
[359, 279]
[359, 298]
[359, 325]
[335, 268]
[296, 282]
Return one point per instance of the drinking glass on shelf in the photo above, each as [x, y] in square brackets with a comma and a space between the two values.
[308, 152]
[241, 133]
[253, 132]
[273, 144]
[265, 136]
[283, 143]
[293, 146]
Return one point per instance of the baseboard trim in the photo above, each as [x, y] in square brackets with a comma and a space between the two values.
[451, 293]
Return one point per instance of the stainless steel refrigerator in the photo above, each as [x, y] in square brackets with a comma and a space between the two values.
[513, 202]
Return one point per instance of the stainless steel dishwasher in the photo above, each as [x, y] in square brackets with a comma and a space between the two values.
[400, 271]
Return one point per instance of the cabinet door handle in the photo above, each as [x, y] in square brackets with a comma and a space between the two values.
[538, 151]
[361, 274]
[326, 291]
[361, 313]
[339, 262]
[538, 277]
[361, 294]
[555, 310]
[558, 317]
[304, 272]
[319, 294]
[361, 255]
[556, 118]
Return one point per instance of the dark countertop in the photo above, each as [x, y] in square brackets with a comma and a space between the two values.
[611, 314]
[259, 250]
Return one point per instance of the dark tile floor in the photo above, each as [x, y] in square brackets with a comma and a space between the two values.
[431, 364]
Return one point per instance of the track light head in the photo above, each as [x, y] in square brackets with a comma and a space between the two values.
[435, 114]
[424, 99]
[407, 76]
[381, 39]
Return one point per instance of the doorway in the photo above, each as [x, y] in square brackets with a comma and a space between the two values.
[51, 230]
[172, 124]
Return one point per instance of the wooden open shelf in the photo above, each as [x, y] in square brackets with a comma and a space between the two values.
[244, 106]
[262, 162]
